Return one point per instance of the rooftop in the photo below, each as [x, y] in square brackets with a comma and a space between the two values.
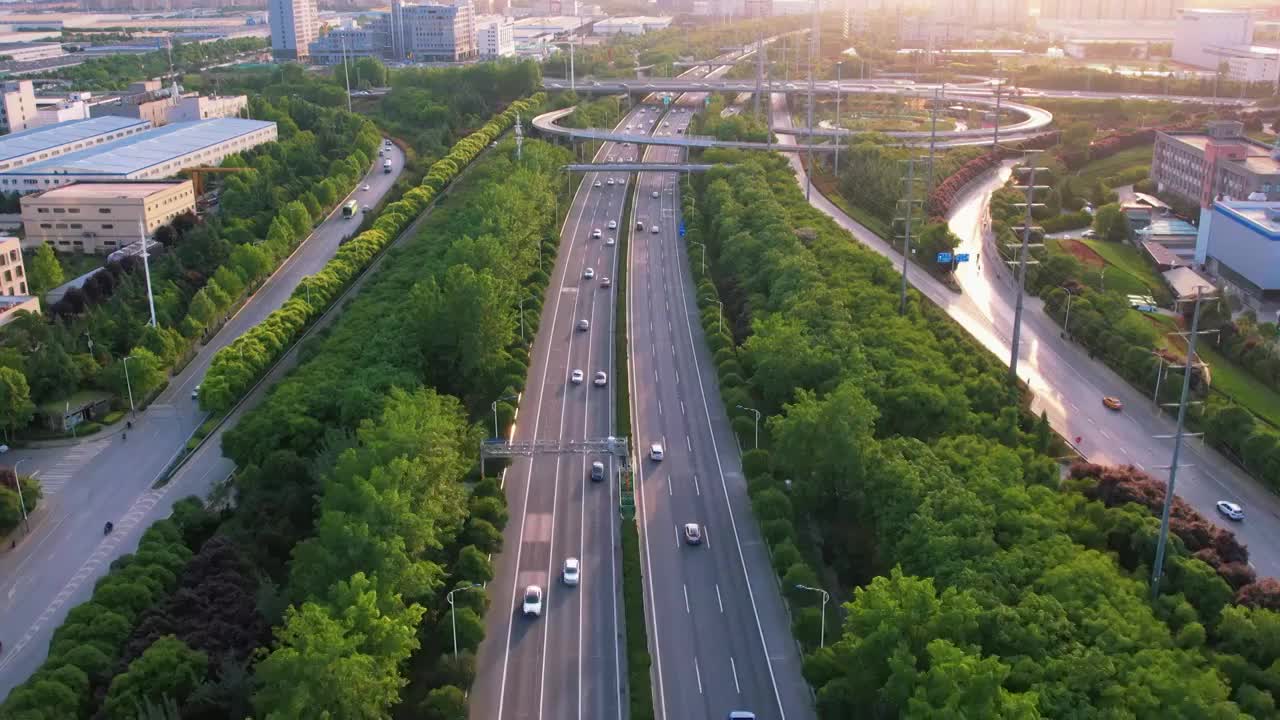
[145, 150]
[1186, 281]
[1262, 217]
[1169, 226]
[25, 45]
[122, 190]
[1258, 157]
[42, 138]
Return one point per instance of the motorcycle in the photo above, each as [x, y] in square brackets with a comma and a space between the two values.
[106, 529]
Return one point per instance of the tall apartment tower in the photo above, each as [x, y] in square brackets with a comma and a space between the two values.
[293, 27]
[17, 105]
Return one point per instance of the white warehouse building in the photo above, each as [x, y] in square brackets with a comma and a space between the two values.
[39, 144]
[160, 153]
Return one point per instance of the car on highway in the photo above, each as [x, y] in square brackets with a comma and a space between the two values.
[602, 379]
[655, 452]
[597, 184]
[742, 715]
[1230, 509]
[1089, 234]
[606, 282]
[692, 534]
[609, 182]
[589, 273]
[597, 471]
[570, 572]
[654, 230]
[532, 606]
[195, 393]
[575, 377]
[596, 233]
[584, 324]
[609, 240]
[653, 194]
[1112, 403]
[613, 224]
[365, 186]
[639, 224]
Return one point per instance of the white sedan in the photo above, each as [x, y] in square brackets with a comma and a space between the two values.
[613, 224]
[602, 379]
[576, 377]
[1230, 509]
[570, 572]
[532, 606]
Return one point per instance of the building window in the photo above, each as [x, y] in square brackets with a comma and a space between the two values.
[46, 226]
[59, 211]
[108, 226]
[104, 211]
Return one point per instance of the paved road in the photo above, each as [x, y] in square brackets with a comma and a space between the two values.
[109, 478]
[1069, 386]
[569, 662]
[718, 631]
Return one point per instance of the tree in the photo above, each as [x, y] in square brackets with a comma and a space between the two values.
[1110, 223]
[444, 703]
[145, 373]
[167, 669]
[16, 408]
[44, 272]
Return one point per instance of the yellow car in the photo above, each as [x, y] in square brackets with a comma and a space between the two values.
[1112, 403]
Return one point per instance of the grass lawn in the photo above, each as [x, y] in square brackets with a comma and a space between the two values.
[1123, 160]
[826, 184]
[1129, 269]
[1243, 388]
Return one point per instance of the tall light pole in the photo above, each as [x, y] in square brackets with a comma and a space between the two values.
[128, 384]
[839, 66]
[453, 613]
[146, 271]
[525, 300]
[1066, 323]
[757, 414]
[822, 638]
[1026, 229]
[720, 325]
[704, 254]
[17, 482]
[346, 71]
[494, 406]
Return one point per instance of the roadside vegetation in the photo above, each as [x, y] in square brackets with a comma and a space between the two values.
[115, 72]
[921, 492]
[357, 501]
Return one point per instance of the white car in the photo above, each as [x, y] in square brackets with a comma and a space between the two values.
[609, 181]
[605, 282]
[589, 273]
[613, 224]
[584, 324]
[532, 601]
[622, 180]
[654, 194]
[609, 241]
[596, 233]
[195, 393]
[576, 377]
[655, 452]
[597, 184]
[1230, 509]
[365, 187]
[654, 230]
[570, 572]
[601, 379]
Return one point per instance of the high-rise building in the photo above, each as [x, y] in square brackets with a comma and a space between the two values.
[757, 8]
[1200, 36]
[293, 27]
[1109, 9]
[424, 33]
[495, 36]
[17, 105]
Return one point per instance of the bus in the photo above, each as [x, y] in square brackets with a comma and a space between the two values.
[350, 209]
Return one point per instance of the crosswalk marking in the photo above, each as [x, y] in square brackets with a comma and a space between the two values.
[52, 479]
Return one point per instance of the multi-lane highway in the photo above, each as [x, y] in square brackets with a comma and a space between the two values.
[109, 477]
[718, 632]
[567, 663]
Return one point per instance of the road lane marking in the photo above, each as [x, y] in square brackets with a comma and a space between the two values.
[1125, 452]
[718, 600]
[696, 488]
[682, 411]
[734, 667]
[686, 598]
[1105, 434]
[677, 529]
[669, 486]
[688, 443]
[677, 377]
[659, 407]
[697, 672]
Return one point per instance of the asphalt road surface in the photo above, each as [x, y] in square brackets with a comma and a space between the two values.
[109, 478]
[718, 631]
[568, 663]
[1068, 385]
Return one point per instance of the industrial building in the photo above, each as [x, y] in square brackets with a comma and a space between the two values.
[495, 37]
[1239, 241]
[430, 32]
[631, 25]
[1213, 39]
[28, 51]
[1201, 166]
[17, 105]
[294, 25]
[1109, 10]
[51, 141]
[160, 153]
[100, 218]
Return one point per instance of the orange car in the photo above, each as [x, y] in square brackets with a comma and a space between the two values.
[1112, 403]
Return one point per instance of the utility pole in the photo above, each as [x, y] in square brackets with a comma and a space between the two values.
[760, 58]
[839, 66]
[345, 71]
[933, 140]
[813, 62]
[907, 208]
[995, 142]
[573, 86]
[146, 271]
[1157, 569]
[1027, 228]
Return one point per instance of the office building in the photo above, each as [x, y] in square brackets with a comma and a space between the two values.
[631, 25]
[1200, 37]
[293, 27]
[1239, 241]
[166, 105]
[350, 43]
[1073, 10]
[40, 144]
[208, 107]
[60, 112]
[495, 37]
[30, 51]
[17, 105]
[1201, 166]
[100, 218]
[415, 33]
[13, 276]
[157, 154]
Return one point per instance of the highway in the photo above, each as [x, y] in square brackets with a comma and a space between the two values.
[1067, 384]
[108, 478]
[718, 632]
[568, 663]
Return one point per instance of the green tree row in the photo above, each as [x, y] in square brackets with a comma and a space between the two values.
[983, 588]
[236, 367]
[115, 72]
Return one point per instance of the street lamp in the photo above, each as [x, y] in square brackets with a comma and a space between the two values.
[494, 406]
[720, 322]
[17, 481]
[704, 254]
[128, 384]
[453, 615]
[757, 414]
[1066, 323]
[822, 638]
[839, 65]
